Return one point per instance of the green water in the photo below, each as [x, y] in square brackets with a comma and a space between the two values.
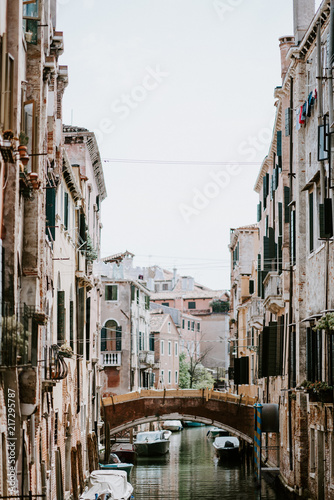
[190, 471]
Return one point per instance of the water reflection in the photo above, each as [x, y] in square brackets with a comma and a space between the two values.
[191, 471]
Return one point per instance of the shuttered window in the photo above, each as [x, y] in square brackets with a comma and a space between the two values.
[50, 208]
[251, 287]
[60, 316]
[88, 328]
[326, 218]
[118, 338]
[310, 215]
[293, 238]
[103, 339]
[241, 370]
[279, 142]
[314, 355]
[133, 292]
[81, 320]
[71, 325]
[271, 349]
[66, 211]
[286, 204]
[259, 211]
[111, 292]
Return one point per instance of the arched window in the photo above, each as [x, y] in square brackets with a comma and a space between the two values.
[111, 336]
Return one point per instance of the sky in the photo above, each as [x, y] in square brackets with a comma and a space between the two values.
[180, 96]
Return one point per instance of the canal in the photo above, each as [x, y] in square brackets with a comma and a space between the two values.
[190, 471]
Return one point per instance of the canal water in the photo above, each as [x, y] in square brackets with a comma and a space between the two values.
[190, 471]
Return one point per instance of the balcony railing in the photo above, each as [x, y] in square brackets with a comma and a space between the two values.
[255, 312]
[273, 293]
[55, 367]
[19, 338]
[111, 358]
[146, 357]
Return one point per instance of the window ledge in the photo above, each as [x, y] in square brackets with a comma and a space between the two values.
[316, 251]
[312, 475]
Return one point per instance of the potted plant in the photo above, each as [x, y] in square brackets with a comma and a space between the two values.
[23, 148]
[318, 391]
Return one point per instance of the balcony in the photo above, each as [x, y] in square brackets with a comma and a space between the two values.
[111, 358]
[273, 293]
[146, 358]
[255, 313]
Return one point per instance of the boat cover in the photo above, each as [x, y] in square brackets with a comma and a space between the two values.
[107, 481]
[226, 442]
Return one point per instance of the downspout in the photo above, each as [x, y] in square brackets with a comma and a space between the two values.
[290, 276]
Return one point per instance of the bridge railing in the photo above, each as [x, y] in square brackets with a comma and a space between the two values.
[181, 393]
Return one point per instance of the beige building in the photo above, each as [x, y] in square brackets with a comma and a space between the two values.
[127, 351]
[246, 311]
[166, 348]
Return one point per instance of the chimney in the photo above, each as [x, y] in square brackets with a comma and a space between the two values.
[285, 43]
[303, 12]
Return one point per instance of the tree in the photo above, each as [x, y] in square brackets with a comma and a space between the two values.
[193, 375]
[184, 377]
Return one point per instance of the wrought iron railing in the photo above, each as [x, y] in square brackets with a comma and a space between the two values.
[55, 367]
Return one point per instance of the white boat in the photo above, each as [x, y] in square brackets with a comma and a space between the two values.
[216, 432]
[172, 425]
[107, 484]
[152, 443]
[227, 446]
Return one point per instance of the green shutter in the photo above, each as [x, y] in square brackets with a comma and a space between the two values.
[279, 142]
[118, 338]
[264, 191]
[66, 210]
[272, 348]
[114, 290]
[260, 356]
[60, 316]
[71, 325]
[286, 203]
[280, 254]
[326, 219]
[133, 292]
[88, 328]
[310, 212]
[50, 207]
[103, 339]
[237, 371]
[280, 219]
[259, 211]
[259, 282]
[81, 317]
[251, 287]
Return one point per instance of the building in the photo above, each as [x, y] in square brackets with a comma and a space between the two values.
[166, 348]
[209, 316]
[294, 261]
[246, 310]
[127, 350]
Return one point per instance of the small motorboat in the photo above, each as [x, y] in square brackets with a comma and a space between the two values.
[191, 423]
[107, 485]
[114, 463]
[227, 446]
[152, 443]
[172, 425]
[215, 432]
[125, 451]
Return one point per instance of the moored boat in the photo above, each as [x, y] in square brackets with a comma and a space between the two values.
[152, 443]
[226, 447]
[114, 463]
[172, 425]
[191, 423]
[107, 484]
[215, 432]
[125, 451]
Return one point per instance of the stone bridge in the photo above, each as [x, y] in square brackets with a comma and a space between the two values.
[231, 412]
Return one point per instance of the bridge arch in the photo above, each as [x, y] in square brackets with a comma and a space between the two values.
[233, 413]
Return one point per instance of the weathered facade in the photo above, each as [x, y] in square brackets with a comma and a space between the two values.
[127, 350]
[294, 261]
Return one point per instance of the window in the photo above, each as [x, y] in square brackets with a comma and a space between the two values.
[176, 347]
[111, 336]
[60, 316]
[162, 376]
[188, 325]
[176, 377]
[310, 215]
[165, 304]
[111, 292]
[141, 341]
[169, 348]
[56, 428]
[193, 326]
[192, 305]
[165, 286]
[169, 377]
[169, 326]
[183, 324]
[151, 341]
[312, 450]
[162, 347]
[66, 211]
[198, 326]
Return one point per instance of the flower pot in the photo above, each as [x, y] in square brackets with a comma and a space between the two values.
[23, 151]
[33, 177]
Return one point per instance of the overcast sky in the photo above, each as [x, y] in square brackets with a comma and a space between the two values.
[189, 84]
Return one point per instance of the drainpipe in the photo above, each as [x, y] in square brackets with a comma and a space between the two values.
[290, 277]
